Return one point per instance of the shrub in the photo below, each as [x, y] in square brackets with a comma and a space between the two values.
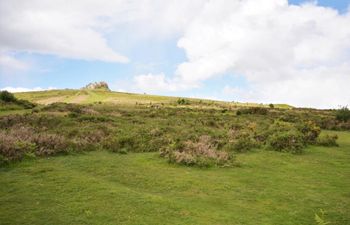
[6, 96]
[284, 137]
[343, 114]
[201, 153]
[328, 140]
[310, 131]
[287, 141]
[253, 110]
[92, 118]
[12, 149]
[64, 107]
[182, 101]
[25, 104]
[50, 144]
[120, 144]
[241, 141]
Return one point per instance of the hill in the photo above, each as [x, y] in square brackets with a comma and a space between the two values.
[88, 96]
[120, 158]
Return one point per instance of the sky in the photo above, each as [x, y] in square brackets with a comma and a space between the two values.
[266, 51]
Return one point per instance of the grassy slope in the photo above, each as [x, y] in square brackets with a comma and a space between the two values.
[89, 96]
[105, 188]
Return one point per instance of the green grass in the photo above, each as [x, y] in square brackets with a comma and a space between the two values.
[93, 96]
[141, 188]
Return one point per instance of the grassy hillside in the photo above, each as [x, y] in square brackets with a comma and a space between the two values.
[93, 96]
[118, 158]
[106, 188]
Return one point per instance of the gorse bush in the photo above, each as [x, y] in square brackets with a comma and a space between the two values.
[201, 153]
[182, 101]
[10, 102]
[327, 140]
[6, 96]
[343, 114]
[310, 131]
[120, 144]
[290, 141]
[253, 110]
[284, 137]
[241, 141]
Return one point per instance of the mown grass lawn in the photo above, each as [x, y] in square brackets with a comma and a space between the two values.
[141, 188]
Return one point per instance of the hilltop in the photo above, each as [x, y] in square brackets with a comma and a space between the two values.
[97, 86]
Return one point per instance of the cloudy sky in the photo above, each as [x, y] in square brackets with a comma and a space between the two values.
[268, 51]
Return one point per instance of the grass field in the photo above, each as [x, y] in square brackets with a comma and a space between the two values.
[140, 188]
[93, 96]
[98, 161]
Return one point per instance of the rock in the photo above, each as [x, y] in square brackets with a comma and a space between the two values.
[97, 86]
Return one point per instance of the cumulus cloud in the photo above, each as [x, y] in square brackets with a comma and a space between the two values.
[287, 53]
[78, 29]
[9, 63]
[159, 82]
[57, 27]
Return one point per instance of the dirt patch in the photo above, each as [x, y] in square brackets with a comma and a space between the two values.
[51, 100]
[79, 99]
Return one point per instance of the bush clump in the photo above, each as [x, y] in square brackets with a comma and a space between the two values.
[7, 99]
[241, 141]
[286, 142]
[182, 101]
[17, 142]
[343, 114]
[12, 149]
[119, 144]
[202, 153]
[50, 144]
[310, 131]
[284, 137]
[253, 110]
[6, 96]
[328, 140]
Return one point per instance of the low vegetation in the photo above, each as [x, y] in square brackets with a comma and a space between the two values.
[9, 102]
[203, 152]
[195, 135]
[289, 152]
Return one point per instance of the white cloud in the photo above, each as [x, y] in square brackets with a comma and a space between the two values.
[159, 82]
[57, 27]
[78, 29]
[287, 53]
[21, 89]
[9, 63]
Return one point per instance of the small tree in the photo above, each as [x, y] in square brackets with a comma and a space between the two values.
[343, 114]
[182, 101]
[7, 96]
[271, 106]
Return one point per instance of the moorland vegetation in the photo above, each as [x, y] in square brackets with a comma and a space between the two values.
[193, 135]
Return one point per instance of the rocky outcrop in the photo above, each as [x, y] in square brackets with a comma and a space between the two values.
[97, 86]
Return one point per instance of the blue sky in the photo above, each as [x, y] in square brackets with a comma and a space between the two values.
[156, 56]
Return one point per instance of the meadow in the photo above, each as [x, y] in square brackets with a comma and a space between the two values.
[119, 158]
